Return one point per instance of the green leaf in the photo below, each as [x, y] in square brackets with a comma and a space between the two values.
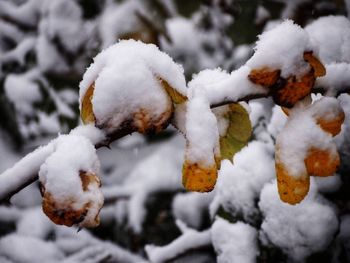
[238, 132]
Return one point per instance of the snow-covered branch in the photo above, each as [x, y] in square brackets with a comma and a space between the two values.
[150, 91]
[190, 239]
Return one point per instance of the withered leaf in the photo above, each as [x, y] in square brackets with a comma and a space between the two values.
[86, 113]
[319, 69]
[288, 92]
[264, 76]
[175, 96]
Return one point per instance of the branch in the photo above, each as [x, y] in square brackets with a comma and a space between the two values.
[25, 172]
[189, 240]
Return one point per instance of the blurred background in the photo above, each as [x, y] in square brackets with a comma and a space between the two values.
[45, 47]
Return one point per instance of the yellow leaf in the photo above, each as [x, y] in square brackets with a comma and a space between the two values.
[321, 162]
[199, 178]
[332, 126]
[175, 96]
[291, 189]
[238, 132]
[87, 114]
[319, 69]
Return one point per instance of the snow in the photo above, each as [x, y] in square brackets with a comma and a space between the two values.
[9, 214]
[20, 51]
[190, 207]
[239, 185]
[188, 42]
[126, 76]
[337, 78]
[158, 172]
[234, 243]
[33, 223]
[190, 239]
[22, 92]
[282, 48]
[90, 132]
[25, 170]
[63, 19]
[329, 184]
[241, 54]
[48, 57]
[277, 122]
[136, 86]
[262, 14]
[48, 124]
[26, 13]
[299, 230]
[119, 19]
[202, 143]
[233, 87]
[60, 176]
[27, 249]
[331, 34]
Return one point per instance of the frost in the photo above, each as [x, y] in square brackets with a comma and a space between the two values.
[234, 243]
